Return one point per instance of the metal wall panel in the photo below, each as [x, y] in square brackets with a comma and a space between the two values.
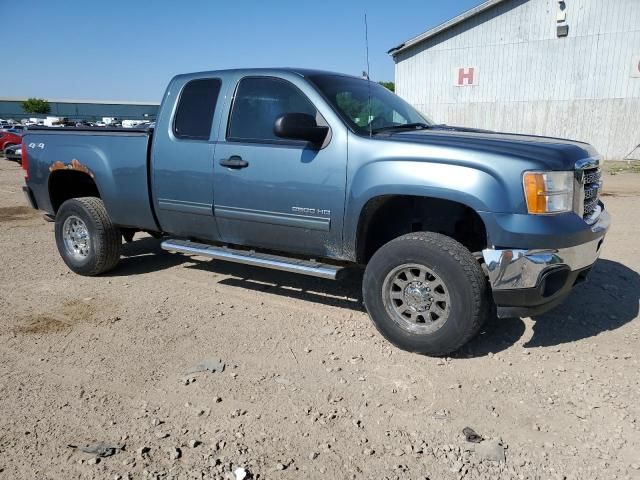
[531, 81]
[81, 111]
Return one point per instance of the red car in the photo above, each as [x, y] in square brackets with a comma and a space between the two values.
[8, 139]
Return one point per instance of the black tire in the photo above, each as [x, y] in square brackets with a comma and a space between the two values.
[6, 147]
[104, 239]
[458, 271]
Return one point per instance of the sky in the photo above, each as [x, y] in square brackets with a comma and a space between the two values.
[130, 49]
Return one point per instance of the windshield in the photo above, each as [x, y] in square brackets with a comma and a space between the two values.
[349, 96]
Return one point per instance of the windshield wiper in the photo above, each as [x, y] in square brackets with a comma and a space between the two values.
[405, 126]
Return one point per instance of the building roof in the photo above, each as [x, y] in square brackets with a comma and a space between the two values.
[444, 26]
[71, 100]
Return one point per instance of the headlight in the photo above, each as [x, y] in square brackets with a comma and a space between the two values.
[548, 192]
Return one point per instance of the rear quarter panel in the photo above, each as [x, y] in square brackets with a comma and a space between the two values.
[117, 162]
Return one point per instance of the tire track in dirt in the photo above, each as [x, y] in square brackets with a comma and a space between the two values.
[12, 214]
[63, 319]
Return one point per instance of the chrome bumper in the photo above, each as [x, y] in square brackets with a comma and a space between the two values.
[515, 268]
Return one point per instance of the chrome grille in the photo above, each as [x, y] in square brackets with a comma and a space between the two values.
[592, 182]
[590, 193]
[592, 176]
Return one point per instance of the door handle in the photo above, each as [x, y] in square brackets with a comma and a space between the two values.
[234, 161]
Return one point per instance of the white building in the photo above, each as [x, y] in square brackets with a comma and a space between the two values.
[558, 68]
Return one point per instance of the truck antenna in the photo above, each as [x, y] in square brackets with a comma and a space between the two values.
[366, 41]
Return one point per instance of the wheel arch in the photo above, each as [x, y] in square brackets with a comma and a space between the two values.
[473, 186]
[65, 184]
[385, 217]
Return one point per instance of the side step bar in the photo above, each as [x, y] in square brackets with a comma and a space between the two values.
[249, 257]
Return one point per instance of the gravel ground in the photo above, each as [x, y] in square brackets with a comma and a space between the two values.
[310, 390]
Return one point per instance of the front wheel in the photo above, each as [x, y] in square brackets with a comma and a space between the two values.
[87, 240]
[426, 293]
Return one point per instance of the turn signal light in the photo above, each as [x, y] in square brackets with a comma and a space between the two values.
[548, 192]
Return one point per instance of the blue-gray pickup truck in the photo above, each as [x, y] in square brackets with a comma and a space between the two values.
[313, 172]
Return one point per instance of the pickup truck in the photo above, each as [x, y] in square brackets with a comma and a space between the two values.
[313, 172]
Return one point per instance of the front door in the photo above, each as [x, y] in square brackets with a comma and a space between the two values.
[275, 193]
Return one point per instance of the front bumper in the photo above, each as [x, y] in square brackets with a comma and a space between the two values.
[528, 282]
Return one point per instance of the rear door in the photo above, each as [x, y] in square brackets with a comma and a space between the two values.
[182, 158]
[280, 194]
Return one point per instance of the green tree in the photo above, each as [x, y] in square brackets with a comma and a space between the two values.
[36, 105]
[388, 85]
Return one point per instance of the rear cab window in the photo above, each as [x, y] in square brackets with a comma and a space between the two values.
[196, 107]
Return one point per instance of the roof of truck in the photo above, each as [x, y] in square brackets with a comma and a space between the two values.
[303, 72]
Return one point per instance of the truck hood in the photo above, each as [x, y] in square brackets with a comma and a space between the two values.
[544, 152]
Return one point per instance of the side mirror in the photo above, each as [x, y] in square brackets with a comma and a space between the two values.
[300, 126]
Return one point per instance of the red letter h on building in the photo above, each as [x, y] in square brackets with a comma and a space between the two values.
[465, 77]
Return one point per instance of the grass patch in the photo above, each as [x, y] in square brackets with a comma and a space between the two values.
[614, 167]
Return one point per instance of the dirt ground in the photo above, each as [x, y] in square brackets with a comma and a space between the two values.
[310, 390]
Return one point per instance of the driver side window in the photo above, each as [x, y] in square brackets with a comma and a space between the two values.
[258, 102]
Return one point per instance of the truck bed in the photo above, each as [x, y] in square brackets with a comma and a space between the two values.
[117, 159]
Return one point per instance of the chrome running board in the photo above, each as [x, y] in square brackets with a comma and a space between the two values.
[250, 257]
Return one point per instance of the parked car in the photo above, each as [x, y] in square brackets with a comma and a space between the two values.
[14, 153]
[315, 172]
[9, 138]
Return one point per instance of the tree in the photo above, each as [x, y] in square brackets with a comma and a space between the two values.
[388, 85]
[36, 105]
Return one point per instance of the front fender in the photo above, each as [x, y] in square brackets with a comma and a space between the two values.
[477, 189]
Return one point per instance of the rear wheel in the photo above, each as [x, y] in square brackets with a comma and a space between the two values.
[6, 147]
[87, 240]
[426, 293]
